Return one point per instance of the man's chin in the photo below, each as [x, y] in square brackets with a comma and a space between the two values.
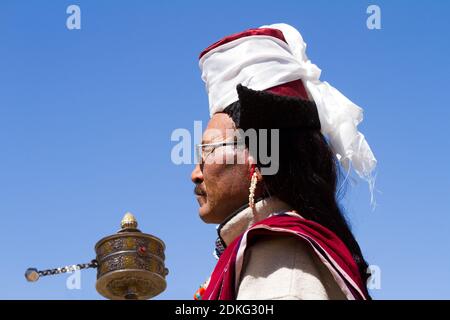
[206, 214]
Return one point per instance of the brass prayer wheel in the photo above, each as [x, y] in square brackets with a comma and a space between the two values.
[130, 263]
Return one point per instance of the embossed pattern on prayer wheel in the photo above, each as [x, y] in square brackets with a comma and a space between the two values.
[130, 263]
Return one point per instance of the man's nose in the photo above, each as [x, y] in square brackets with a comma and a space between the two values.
[197, 175]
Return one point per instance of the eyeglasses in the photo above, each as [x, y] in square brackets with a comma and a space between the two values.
[205, 149]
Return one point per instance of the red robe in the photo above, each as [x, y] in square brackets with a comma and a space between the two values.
[224, 280]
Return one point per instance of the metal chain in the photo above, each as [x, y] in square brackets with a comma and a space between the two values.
[72, 268]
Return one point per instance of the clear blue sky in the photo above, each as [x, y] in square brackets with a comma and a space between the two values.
[86, 117]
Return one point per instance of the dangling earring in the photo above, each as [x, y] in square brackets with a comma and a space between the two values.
[254, 181]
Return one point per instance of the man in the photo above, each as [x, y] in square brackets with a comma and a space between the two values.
[281, 235]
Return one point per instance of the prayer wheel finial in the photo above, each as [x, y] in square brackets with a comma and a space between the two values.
[128, 221]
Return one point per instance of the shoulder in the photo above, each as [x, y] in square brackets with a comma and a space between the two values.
[285, 267]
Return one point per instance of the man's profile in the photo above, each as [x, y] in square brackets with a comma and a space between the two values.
[280, 235]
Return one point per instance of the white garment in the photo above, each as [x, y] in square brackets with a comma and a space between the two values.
[278, 267]
[285, 268]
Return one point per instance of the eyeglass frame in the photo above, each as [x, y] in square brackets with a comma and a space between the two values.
[199, 148]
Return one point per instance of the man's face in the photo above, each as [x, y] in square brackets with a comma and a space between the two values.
[221, 187]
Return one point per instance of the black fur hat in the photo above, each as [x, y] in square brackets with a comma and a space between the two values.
[265, 110]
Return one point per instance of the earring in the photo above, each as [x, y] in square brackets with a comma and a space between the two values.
[254, 181]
